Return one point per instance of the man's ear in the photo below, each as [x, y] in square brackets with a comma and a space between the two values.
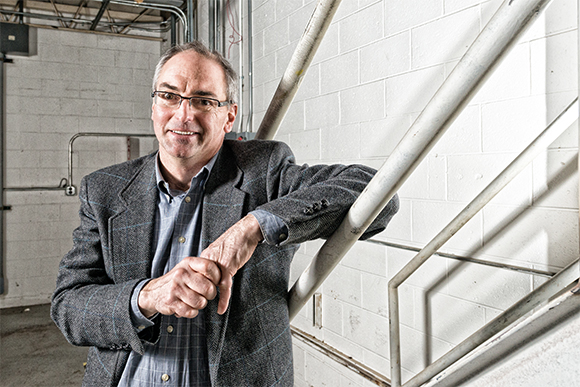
[232, 113]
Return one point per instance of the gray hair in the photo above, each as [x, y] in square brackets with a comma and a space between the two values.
[201, 49]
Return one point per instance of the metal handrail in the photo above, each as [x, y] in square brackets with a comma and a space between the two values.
[553, 131]
[297, 67]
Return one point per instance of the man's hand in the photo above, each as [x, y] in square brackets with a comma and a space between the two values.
[231, 251]
[183, 291]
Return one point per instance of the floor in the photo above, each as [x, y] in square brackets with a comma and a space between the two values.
[34, 353]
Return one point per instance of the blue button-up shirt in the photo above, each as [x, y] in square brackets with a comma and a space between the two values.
[179, 358]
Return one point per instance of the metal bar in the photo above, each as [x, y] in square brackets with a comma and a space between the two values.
[190, 16]
[548, 135]
[250, 39]
[461, 85]
[519, 269]
[97, 18]
[3, 60]
[70, 189]
[341, 358]
[299, 63]
[556, 311]
[211, 20]
[534, 299]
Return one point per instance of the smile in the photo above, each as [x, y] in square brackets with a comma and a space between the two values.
[183, 133]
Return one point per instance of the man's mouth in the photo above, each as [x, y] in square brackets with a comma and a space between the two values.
[183, 133]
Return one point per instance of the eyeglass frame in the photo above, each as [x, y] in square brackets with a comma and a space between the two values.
[181, 98]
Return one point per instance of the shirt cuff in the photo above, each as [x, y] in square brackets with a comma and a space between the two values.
[140, 322]
[273, 227]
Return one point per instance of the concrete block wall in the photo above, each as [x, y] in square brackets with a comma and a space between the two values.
[376, 69]
[78, 82]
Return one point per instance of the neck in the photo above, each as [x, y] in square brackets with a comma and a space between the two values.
[178, 173]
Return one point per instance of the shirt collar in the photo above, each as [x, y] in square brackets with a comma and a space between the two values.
[204, 171]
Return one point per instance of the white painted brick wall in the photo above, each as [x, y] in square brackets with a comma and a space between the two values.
[377, 68]
[77, 83]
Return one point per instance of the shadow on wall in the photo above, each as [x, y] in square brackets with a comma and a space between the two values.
[510, 224]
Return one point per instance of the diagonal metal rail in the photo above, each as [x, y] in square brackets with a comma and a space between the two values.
[553, 131]
[470, 73]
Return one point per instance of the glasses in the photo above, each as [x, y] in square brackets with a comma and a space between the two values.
[173, 101]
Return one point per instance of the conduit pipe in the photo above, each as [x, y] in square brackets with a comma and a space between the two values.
[70, 189]
[299, 63]
[553, 131]
[479, 61]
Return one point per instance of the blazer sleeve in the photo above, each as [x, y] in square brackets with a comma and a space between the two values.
[88, 307]
[313, 200]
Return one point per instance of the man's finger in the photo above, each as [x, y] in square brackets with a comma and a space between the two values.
[225, 287]
[206, 267]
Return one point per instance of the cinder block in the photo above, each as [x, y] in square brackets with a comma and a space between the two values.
[367, 329]
[294, 120]
[276, 36]
[554, 63]
[556, 179]
[403, 15]
[340, 142]
[430, 217]
[511, 125]
[457, 30]
[322, 111]
[361, 28]
[306, 145]
[469, 175]
[546, 236]
[385, 134]
[511, 79]
[339, 73]
[344, 284]
[363, 103]
[410, 92]
[386, 57]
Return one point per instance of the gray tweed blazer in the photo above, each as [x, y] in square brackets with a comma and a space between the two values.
[250, 345]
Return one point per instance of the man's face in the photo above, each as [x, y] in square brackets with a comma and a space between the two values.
[185, 133]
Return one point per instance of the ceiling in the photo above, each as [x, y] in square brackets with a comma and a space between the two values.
[123, 17]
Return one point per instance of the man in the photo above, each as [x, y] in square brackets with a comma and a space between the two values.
[179, 270]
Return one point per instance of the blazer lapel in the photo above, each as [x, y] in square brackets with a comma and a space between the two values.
[131, 230]
[223, 206]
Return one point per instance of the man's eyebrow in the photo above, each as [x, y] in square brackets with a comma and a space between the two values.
[166, 85]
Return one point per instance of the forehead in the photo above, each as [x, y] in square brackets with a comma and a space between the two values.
[190, 72]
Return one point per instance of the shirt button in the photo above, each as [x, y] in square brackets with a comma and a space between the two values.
[165, 377]
[187, 199]
[170, 329]
[141, 327]
[282, 237]
[181, 239]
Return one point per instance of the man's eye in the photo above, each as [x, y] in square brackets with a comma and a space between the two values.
[169, 96]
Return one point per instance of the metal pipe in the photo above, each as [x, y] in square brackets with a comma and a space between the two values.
[212, 22]
[556, 311]
[299, 63]
[548, 135]
[161, 7]
[250, 38]
[519, 269]
[461, 85]
[534, 299]
[3, 59]
[190, 14]
[70, 189]
[366, 372]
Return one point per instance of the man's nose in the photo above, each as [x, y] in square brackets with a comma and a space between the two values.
[185, 111]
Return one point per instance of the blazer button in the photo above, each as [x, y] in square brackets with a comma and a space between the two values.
[324, 203]
[309, 211]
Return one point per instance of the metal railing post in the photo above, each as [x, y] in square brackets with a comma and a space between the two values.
[553, 131]
[476, 65]
[299, 63]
